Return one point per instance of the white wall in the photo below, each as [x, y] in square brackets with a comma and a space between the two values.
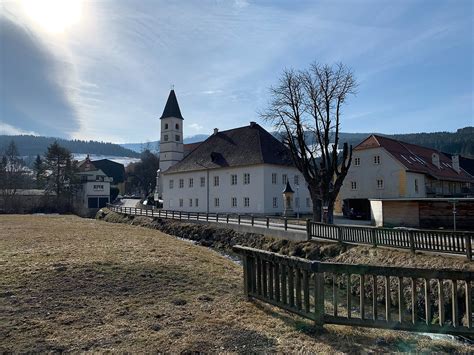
[260, 191]
[367, 173]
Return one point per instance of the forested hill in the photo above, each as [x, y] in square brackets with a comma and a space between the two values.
[32, 145]
[459, 142]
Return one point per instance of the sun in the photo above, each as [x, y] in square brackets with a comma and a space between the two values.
[54, 16]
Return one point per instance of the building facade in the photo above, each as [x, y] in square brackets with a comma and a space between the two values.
[241, 170]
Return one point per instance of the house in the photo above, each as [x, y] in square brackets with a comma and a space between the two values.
[116, 172]
[384, 169]
[241, 170]
[94, 189]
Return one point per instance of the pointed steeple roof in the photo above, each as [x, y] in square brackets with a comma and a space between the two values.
[171, 107]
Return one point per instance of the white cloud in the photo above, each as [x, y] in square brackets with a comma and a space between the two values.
[6, 129]
[195, 127]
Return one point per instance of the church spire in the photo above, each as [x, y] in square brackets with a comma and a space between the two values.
[171, 107]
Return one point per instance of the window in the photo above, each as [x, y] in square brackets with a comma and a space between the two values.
[197, 202]
[353, 185]
[177, 126]
[180, 202]
[166, 125]
[233, 179]
[356, 161]
[203, 181]
[165, 138]
[216, 202]
[296, 180]
[416, 185]
[191, 182]
[216, 180]
[377, 159]
[246, 202]
[234, 201]
[190, 202]
[297, 202]
[379, 184]
[284, 179]
[274, 178]
[275, 202]
[181, 183]
[246, 179]
[92, 202]
[308, 202]
[171, 184]
[177, 138]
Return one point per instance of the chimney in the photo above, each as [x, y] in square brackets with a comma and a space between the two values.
[252, 124]
[435, 160]
[216, 130]
[455, 163]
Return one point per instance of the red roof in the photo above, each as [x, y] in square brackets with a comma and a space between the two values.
[416, 158]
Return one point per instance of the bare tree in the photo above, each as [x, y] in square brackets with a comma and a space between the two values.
[306, 108]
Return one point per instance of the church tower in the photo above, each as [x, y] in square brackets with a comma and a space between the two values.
[171, 141]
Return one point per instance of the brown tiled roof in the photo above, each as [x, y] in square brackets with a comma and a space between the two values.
[416, 158]
[248, 145]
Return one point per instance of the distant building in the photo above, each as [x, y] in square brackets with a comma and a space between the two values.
[241, 170]
[94, 189]
[115, 171]
[386, 169]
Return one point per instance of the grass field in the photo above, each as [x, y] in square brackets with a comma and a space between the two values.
[72, 284]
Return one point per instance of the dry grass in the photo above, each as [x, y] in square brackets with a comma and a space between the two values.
[77, 284]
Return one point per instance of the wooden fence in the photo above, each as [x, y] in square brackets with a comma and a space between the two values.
[412, 299]
[245, 219]
[425, 240]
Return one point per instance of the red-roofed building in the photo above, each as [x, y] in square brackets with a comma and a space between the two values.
[384, 168]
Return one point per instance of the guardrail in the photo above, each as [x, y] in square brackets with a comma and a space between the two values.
[361, 295]
[265, 222]
[424, 240]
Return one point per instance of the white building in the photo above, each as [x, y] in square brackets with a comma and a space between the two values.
[384, 168]
[94, 189]
[241, 170]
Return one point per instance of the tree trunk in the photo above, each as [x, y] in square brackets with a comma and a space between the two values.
[316, 209]
[330, 215]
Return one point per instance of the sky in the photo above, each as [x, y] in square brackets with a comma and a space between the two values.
[102, 69]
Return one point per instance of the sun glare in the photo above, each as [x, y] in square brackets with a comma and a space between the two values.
[54, 16]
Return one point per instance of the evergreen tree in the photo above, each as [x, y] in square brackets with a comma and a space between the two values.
[38, 168]
[60, 169]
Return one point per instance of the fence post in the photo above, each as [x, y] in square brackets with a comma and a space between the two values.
[286, 223]
[217, 217]
[268, 222]
[319, 299]
[238, 218]
[374, 237]
[197, 216]
[227, 218]
[207, 217]
[180, 215]
[246, 276]
[252, 219]
[467, 237]
[412, 241]
[166, 214]
[308, 229]
[339, 234]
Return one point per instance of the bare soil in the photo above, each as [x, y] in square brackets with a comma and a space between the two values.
[72, 284]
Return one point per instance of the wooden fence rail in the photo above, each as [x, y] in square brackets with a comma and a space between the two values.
[424, 240]
[413, 299]
[265, 222]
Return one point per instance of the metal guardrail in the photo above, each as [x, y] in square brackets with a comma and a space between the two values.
[423, 240]
[361, 295]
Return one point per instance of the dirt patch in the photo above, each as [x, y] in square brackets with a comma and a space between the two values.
[72, 284]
